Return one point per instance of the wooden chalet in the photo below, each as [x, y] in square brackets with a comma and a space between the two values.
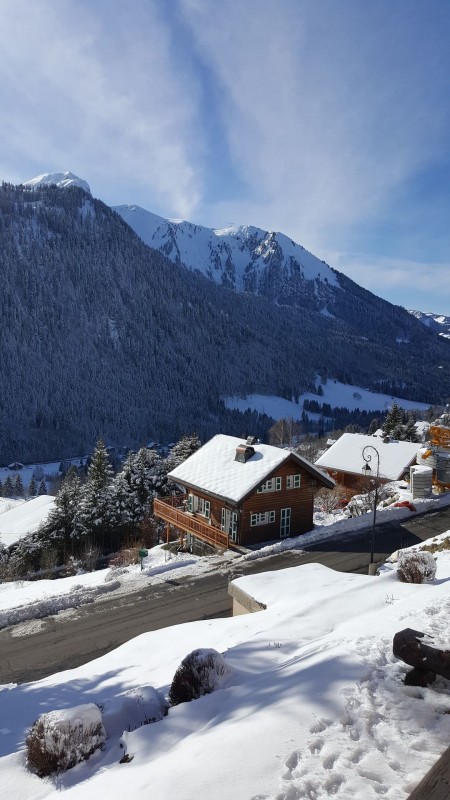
[344, 460]
[240, 492]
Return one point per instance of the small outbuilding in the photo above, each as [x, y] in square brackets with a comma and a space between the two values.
[344, 460]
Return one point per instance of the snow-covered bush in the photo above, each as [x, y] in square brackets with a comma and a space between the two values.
[139, 706]
[199, 673]
[360, 504]
[60, 739]
[415, 566]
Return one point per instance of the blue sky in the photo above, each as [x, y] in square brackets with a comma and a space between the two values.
[326, 119]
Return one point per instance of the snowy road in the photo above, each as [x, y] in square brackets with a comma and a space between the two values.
[72, 637]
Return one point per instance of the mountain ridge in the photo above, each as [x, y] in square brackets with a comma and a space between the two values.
[242, 257]
[102, 335]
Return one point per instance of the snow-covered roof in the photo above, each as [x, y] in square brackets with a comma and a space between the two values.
[346, 455]
[213, 468]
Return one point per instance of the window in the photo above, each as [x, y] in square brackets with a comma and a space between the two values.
[271, 485]
[293, 481]
[199, 505]
[229, 523]
[264, 518]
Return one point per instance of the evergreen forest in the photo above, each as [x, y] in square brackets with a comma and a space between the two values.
[101, 336]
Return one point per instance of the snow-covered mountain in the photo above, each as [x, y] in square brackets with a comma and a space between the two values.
[436, 322]
[141, 346]
[241, 257]
[60, 179]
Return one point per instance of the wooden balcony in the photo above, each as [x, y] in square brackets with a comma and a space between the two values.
[173, 511]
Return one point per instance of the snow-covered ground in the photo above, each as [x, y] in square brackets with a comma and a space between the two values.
[27, 600]
[338, 395]
[314, 706]
[23, 518]
[47, 470]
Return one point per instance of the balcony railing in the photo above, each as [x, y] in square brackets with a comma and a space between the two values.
[173, 510]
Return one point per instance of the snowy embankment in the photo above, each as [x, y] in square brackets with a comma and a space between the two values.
[27, 600]
[23, 517]
[314, 704]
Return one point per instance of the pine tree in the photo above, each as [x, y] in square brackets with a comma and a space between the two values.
[148, 478]
[32, 487]
[8, 488]
[399, 425]
[95, 518]
[60, 524]
[184, 448]
[374, 425]
[409, 433]
[42, 488]
[392, 424]
[123, 516]
[18, 486]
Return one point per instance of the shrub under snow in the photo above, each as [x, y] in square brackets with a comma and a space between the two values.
[199, 673]
[139, 706]
[415, 566]
[60, 739]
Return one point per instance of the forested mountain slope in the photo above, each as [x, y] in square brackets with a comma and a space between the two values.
[101, 335]
[436, 322]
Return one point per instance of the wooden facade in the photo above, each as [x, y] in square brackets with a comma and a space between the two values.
[353, 483]
[280, 506]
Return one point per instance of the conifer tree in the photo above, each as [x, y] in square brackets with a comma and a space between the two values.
[374, 425]
[184, 448]
[399, 425]
[60, 524]
[32, 487]
[392, 425]
[8, 488]
[18, 486]
[409, 429]
[94, 519]
[42, 488]
[148, 478]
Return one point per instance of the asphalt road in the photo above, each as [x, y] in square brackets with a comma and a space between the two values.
[33, 651]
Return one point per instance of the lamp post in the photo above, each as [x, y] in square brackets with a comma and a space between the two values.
[367, 470]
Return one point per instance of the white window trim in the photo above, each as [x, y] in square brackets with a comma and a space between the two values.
[271, 485]
[293, 481]
[199, 505]
[262, 518]
[232, 528]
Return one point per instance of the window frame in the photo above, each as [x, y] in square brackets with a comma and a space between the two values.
[270, 485]
[294, 481]
[199, 505]
[262, 518]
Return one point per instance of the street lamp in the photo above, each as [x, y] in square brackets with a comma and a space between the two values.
[367, 470]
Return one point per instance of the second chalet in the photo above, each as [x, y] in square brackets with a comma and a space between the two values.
[241, 492]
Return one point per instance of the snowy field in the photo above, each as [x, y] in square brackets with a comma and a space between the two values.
[19, 517]
[314, 705]
[338, 395]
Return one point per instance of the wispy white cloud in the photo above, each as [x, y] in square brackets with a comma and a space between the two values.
[409, 283]
[92, 88]
[327, 106]
[310, 118]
